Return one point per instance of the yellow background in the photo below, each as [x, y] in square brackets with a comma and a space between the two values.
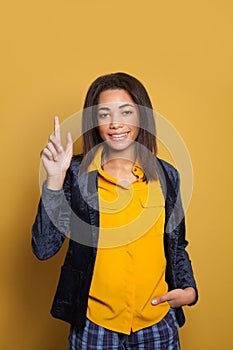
[50, 52]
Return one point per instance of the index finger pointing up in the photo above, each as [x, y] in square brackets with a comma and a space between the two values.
[57, 132]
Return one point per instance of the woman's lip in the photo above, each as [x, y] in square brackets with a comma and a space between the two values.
[119, 137]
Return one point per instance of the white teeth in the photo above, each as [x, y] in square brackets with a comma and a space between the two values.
[119, 135]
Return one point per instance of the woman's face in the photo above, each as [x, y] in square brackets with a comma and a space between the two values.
[118, 119]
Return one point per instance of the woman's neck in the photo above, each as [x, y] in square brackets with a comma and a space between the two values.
[119, 165]
[119, 158]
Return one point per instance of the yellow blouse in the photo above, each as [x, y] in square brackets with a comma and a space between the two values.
[130, 263]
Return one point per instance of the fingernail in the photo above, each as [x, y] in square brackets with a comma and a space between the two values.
[154, 302]
[60, 148]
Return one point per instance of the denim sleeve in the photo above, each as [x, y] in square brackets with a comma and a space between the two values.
[52, 222]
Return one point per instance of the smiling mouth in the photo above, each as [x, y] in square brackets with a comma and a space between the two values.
[119, 137]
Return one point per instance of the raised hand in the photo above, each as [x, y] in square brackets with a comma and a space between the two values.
[56, 160]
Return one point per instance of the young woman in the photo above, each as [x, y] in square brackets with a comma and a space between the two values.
[126, 273]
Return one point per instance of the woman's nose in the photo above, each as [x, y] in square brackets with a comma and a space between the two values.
[116, 121]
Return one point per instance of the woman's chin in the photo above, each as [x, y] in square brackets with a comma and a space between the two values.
[120, 145]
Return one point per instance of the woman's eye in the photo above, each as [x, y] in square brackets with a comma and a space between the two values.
[103, 115]
[127, 112]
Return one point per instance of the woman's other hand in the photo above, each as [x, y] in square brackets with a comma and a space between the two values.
[177, 297]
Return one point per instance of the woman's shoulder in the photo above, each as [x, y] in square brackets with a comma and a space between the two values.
[167, 165]
[75, 163]
[77, 158]
[170, 170]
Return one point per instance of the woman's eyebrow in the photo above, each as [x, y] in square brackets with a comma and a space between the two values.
[126, 105]
[122, 106]
[104, 108]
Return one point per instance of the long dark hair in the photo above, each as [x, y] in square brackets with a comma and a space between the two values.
[146, 148]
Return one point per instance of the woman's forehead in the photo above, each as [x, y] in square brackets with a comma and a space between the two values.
[116, 96]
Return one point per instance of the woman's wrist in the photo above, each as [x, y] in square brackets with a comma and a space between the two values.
[191, 294]
[55, 182]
